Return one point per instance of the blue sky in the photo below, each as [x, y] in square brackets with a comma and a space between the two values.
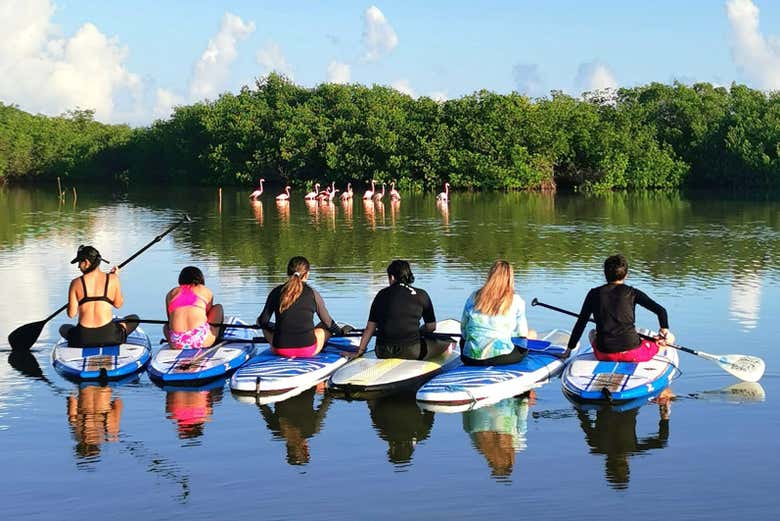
[132, 61]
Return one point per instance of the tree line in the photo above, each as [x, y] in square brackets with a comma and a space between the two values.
[654, 136]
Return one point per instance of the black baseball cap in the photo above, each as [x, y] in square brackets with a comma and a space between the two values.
[88, 253]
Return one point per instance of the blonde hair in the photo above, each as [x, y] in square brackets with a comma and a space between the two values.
[495, 296]
[297, 268]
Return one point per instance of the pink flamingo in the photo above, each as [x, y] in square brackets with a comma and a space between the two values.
[445, 195]
[331, 195]
[347, 194]
[394, 195]
[369, 193]
[378, 196]
[257, 193]
[284, 196]
[313, 195]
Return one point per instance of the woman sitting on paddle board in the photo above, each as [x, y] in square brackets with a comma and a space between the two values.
[294, 304]
[612, 305]
[491, 317]
[92, 297]
[190, 308]
[395, 317]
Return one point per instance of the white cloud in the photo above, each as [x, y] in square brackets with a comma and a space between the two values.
[42, 71]
[213, 67]
[165, 102]
[592, 76]
[379, 37]
[756, 55]
[272, 58]
[528, 81]
[439, 96]
[404, 87]
[338, 72]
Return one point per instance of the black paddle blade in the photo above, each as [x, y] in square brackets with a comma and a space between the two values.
[23, 337]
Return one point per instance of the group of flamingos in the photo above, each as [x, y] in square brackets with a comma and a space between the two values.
[329, 194]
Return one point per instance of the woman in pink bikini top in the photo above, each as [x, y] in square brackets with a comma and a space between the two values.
[191, 308]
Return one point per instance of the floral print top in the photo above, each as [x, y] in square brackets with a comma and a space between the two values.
[486, 336]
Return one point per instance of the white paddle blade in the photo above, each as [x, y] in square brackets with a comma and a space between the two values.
[746, 368]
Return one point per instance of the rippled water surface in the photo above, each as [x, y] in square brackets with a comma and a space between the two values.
[135, 451]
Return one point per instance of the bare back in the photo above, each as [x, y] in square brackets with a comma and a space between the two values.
[94, 313]
[189, 315]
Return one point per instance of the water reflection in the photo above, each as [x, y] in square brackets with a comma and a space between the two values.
[745, 299]
[94, 416]
[296, 420]
[498, 433]
[612, 432]
[400, 422]
[191, 410]
[257, 210]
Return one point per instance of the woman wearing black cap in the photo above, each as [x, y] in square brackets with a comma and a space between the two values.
[92, 297]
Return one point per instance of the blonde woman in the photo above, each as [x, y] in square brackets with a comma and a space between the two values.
[294, 304]
[491, 317]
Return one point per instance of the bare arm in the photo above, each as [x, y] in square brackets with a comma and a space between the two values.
[368, 332]
[73, 300]
[119, 299]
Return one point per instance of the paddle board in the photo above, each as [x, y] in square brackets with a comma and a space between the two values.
[113, 362]
[586, 379]
[469, 387]
[369, 376]
[175, 366]
[269, 374]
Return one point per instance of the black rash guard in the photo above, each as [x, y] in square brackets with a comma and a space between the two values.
[295, 327]
[397, 310]
[612, 306]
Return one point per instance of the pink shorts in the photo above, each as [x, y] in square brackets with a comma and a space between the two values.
[194, 338]
[646, 351]
[295, 352]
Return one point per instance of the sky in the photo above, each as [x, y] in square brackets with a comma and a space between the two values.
[132, 62]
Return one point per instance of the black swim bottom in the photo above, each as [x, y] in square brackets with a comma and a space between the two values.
[413, 351]
[515, 356]
[110, 334]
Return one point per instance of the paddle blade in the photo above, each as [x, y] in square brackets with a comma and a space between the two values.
[746, 368]
[23, 337]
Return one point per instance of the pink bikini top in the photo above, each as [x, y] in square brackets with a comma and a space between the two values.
[186, 297]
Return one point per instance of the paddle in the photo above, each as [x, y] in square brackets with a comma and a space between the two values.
[23, 337]
[746, 368]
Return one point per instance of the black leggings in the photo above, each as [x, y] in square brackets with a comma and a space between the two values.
[110, 334]
[515, 356]
[414, 351]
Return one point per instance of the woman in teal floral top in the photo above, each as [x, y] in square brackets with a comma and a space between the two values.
[491, 317]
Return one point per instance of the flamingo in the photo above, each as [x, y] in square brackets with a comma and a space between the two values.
[284, 196]
[331, 195]
[378, 196]
[369, 193]
[394, 195]
[346, 194]
[445, 195]
[257, 193]
[313, 195]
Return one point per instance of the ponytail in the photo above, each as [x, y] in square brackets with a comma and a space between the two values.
[495, 297]
[297, 268]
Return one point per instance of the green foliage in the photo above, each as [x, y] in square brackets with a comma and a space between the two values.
[648, 137]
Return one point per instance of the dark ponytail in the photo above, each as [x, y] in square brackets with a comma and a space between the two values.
[401, 271]
[297, 268]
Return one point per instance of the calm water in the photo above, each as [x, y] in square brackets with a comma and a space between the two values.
[138, 452]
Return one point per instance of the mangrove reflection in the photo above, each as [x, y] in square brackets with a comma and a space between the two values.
[612, 432]
[400, 422]
[94, 416]
[498, 432]
[191, 410]
[296, 420]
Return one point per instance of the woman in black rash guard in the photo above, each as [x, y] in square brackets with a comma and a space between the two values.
[294, 304]
[395, 317]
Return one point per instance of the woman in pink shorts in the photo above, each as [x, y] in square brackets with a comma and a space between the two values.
[294, 305]
[191, 308]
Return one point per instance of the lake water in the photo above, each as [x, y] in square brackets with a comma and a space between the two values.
[137, 452]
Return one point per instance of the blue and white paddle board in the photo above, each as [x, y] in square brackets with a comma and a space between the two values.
[589, 380]
[112, 362]
[270, 374]
[175, 366]
[469, 387]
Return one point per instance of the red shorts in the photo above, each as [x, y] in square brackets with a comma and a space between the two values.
[646, 351]
[296, 352]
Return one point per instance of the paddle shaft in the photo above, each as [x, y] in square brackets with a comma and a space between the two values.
[535, 302]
